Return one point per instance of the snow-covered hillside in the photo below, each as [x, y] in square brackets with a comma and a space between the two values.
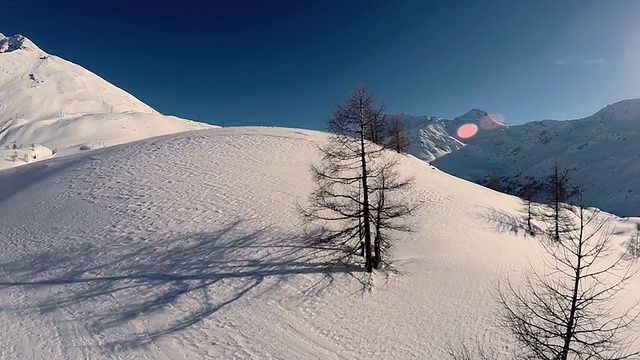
[189, 246]
[429, 138]
[52, 103]
[602, 151]
[432, 137]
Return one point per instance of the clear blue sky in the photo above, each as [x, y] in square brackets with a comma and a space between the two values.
[287, 63]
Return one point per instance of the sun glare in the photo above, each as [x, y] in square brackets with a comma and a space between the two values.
[467, 130]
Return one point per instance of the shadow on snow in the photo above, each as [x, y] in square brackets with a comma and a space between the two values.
[505, 222]
[114, 288]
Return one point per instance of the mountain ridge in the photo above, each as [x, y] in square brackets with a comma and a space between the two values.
[50, 102]
[601, 152]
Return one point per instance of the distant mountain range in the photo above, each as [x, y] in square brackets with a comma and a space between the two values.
[601, 152]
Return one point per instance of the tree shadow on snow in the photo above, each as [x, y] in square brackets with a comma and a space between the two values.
[504, 222]
[116, 287]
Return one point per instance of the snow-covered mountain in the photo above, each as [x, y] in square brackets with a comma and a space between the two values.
[601, 152]
[48, 103]
[189, 246]
[433, 137]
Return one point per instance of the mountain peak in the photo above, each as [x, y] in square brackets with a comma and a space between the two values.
[477, 111]
[15, 42]
[473, 114]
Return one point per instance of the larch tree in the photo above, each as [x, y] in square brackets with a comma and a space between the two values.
[388, 207]
[493, 182]
[356, 192]
[633, 245]
[554, 211]
[569, 309]
[528, 195]
[396, 138]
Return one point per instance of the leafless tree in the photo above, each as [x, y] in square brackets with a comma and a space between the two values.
[633, 245]
[396, 135]
[388, 207]
[493, 182]
[374, 130]
[554, 210]
[356, 186]
[528, 210]
[568, 311]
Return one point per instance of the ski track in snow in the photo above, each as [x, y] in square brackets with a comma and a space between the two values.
[189, 247]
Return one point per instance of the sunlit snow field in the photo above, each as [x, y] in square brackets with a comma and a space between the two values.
[190, 246]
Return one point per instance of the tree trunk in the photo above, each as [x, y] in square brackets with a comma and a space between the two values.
[378, 239]
[529, 216]
[365, 206]
[378, 253]
[574, 296]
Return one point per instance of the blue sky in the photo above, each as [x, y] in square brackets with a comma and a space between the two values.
[287, 63]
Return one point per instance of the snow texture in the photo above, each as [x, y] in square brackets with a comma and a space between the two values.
[189, 246]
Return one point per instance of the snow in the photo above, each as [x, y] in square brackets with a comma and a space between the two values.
[50, 101]
[188, 246]
[127, 234]
[24, 155]
[429, 138]
[601, 152]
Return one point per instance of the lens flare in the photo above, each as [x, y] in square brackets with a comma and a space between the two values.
[467, 130]
[568, 61]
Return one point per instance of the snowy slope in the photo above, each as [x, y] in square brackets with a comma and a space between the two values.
[188, 246]
[602, 153]
[59, 105]
[433, 137]
[429, 138]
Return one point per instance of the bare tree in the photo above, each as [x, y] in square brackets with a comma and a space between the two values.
[396, 135]
[493, 182]
[568, 311]
[633, 245]
[374, 130]
[464, 352]
[388, 207]
[554, 211]
[528, 196]
[354, 196]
